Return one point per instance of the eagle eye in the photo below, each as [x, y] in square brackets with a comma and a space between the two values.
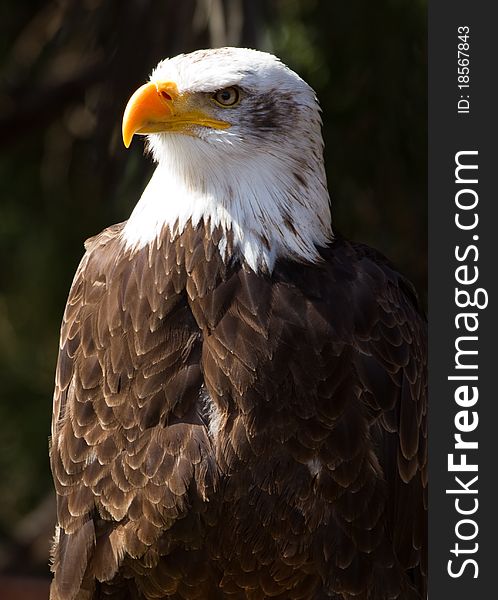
[227, 97]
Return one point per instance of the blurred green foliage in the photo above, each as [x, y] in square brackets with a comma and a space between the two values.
[67, 68]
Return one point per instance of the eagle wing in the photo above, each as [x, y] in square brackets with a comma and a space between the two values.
[390, 359]
[375, 401]
[128, 441]
[324, 436]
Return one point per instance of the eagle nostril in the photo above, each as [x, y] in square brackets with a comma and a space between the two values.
[165, 95]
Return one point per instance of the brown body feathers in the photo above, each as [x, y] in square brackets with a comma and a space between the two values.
[219, 433]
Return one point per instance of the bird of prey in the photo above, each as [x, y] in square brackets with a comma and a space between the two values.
[240, 398]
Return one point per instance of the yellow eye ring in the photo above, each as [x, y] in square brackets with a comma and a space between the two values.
[227, 97]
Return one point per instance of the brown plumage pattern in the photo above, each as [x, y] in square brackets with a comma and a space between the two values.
[220, 433]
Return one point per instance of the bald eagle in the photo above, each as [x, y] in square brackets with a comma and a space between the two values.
[240, 398]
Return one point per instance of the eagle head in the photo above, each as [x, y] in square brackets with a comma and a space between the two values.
[237, 138]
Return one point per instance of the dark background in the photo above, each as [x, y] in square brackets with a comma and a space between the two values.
[67, 68]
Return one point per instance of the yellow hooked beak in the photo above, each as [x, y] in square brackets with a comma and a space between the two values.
[159, 107]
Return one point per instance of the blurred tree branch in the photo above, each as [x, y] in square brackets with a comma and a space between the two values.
[35, 111]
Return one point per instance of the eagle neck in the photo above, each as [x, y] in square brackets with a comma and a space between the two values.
[266, 209]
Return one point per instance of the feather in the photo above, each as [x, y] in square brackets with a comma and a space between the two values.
[70, 561]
